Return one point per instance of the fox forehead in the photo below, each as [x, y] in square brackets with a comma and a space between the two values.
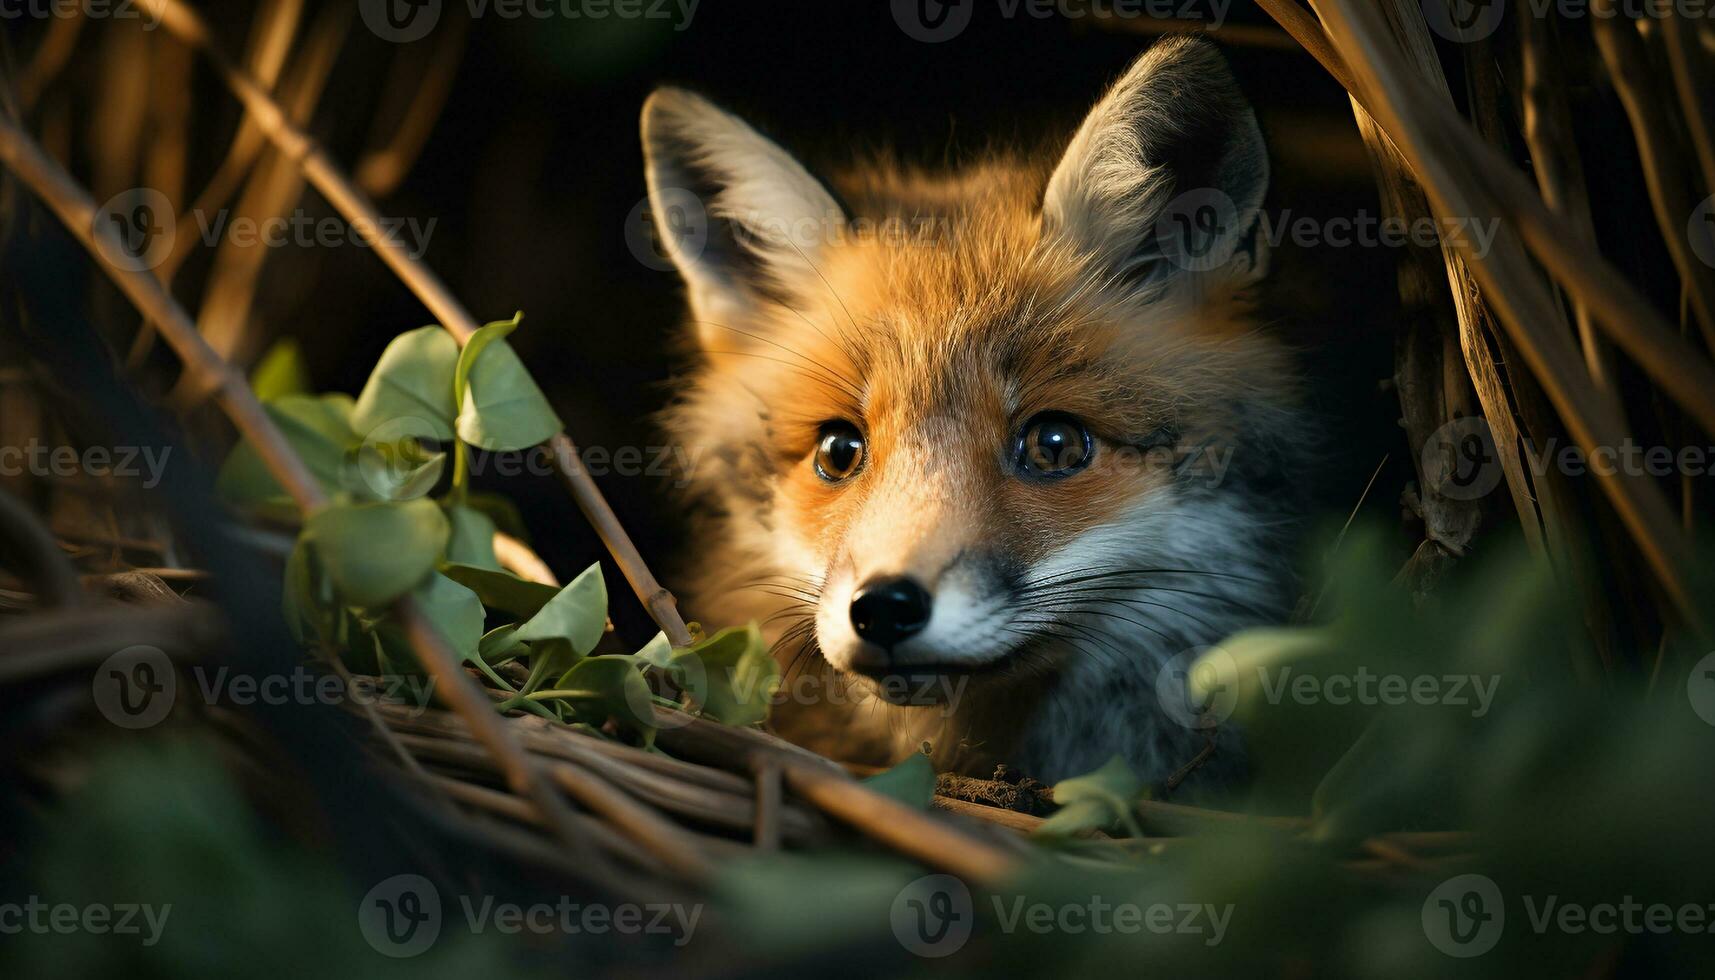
[947, 302]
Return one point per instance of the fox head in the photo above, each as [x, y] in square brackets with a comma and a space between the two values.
[1011, 417]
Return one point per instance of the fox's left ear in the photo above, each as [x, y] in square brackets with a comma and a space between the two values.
[741, 219]
[1165, 178]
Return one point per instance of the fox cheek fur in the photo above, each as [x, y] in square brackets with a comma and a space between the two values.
[1008, 434]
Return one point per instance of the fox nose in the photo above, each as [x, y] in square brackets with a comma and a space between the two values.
[888, 610]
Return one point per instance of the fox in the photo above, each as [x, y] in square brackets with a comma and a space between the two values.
[994, 451]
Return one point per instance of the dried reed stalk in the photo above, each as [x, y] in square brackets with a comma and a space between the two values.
[1559, 168]
[1665, 175]
[1624, 315]
[1462, 177]
[350, 201]
[77, 212]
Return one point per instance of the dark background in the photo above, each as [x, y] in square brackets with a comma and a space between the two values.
[534, 168]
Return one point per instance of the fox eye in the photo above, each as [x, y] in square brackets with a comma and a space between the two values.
[839, 451]
[1053, 444]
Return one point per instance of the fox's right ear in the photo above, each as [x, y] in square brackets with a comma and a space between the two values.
[1164, 181]
[740, 218]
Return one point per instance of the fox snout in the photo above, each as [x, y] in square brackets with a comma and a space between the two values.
[908, 623]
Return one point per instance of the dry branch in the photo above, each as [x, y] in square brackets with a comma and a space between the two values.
[350, 201]
[1684, 373]
[1665, 175]
[74, 208]
[1464, 176]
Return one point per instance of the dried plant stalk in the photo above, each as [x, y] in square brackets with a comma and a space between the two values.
[1665, 174]
[74, 208]
[1559, 169]
[1462, 177]
[322, 172]
[1684, 374]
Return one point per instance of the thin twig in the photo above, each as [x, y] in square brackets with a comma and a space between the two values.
[77, 211]
[1454, 177]
[1559, 169]
[1683, 372]
[1665, 175]
[350, 201]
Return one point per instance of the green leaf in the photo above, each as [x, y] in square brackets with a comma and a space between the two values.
[502, 590]
[281, 372]
[577, 614]
[318, 428]
[658, 652]
[455, 611]
[472, 538]
[730, 675]
[500, 407]
[1096, 800]
[501, 644]
[912, 782]
[376, 553]
[393, 470]
[606, 687]
[412, 380]
[307, 600]
[548, 660]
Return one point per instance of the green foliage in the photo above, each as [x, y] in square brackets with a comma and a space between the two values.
[281, 372]
[1095, 801]
[577, 614]
[160, 824]
[383, 537]
[912, 782]
[500, 407]
[376, 553]
[731, 676]
[413, 379]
